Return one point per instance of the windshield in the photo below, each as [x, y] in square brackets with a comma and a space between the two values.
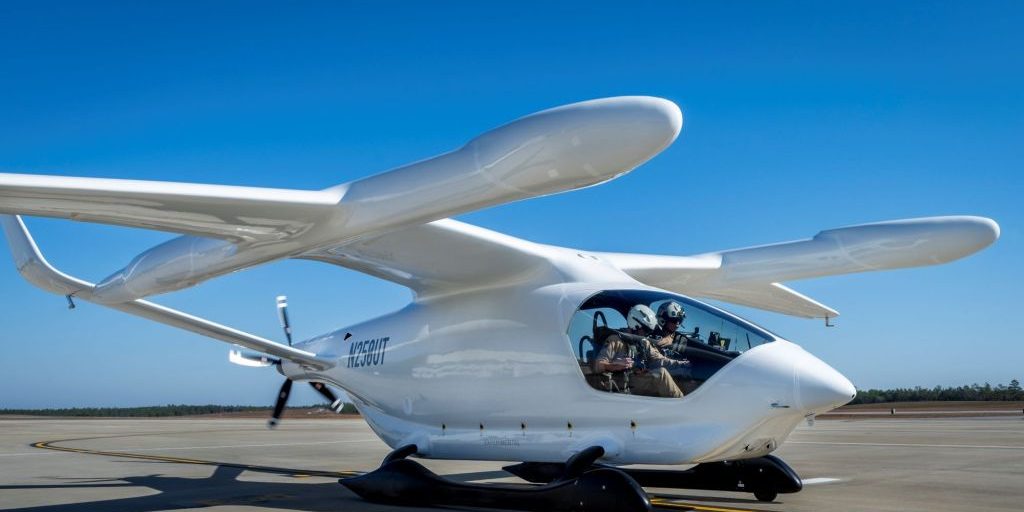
[656, 343]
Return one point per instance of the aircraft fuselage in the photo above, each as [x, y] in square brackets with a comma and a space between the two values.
[492, 375]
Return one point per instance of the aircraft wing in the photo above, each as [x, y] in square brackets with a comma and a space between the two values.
[34, 267]
[219, 211]
[751, 276]
[231, 228]
[772, 297]
[439, 257]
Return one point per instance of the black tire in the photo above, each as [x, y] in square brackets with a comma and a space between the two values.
[765, 495]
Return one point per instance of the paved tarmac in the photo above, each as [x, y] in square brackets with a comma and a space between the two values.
[941, 464]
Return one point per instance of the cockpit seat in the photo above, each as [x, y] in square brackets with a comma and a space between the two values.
[612, 382]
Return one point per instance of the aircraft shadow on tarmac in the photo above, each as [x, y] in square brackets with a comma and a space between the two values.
[223, 488]
[220, 488]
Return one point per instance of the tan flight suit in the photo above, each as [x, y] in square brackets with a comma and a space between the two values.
[671, 341]
[655, 381]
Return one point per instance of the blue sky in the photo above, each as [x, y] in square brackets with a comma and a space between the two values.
[798, 117]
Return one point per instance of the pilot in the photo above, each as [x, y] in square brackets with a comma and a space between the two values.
[648, 372]
[669, 341]
[667, 336]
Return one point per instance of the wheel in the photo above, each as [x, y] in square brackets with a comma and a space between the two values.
[765, 495]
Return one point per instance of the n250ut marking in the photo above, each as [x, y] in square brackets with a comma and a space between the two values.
[367, 352]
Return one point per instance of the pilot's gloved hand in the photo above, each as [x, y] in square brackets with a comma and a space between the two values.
[622, 363]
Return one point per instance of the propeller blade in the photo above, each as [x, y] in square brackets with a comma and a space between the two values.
[282, 314]
[336, 403]
[282, 399]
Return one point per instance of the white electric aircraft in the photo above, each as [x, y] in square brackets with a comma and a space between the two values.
[494, 358]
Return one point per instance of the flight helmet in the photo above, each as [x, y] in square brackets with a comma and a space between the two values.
[641, 315]
[670, 310]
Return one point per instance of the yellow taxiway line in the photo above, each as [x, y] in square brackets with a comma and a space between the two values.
[682, 505]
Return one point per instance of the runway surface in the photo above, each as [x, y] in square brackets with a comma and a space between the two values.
[101, 465]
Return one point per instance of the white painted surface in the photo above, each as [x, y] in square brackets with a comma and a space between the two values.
[479, 365]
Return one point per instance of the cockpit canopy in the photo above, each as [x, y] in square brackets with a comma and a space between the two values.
[668, 364]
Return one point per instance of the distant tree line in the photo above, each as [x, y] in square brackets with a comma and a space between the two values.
[149, 412]
[974, 392]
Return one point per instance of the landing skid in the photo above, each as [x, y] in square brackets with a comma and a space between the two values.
[579, 486]
[766, 476]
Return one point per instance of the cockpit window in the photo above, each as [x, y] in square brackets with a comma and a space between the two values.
[620, 350]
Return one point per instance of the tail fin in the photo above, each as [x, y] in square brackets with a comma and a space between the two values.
[34, 268]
